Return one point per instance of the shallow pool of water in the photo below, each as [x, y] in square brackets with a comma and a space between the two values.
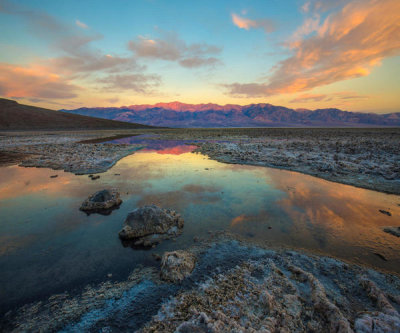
[48, 246]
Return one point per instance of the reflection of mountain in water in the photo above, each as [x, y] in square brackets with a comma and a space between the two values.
[173, 147]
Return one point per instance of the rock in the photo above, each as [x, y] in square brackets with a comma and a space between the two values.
[177, 265]
[395, 231]
[103, 202]
[149, 225]
[94, 177]
[156, 256]
[54, 176]
[385, 212]
[381, 256]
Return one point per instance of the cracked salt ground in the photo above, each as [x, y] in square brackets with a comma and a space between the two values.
[234, 287]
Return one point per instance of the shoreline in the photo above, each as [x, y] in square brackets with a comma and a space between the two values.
[66, 151]
[354, 157]
[230, 271]
[392, 191]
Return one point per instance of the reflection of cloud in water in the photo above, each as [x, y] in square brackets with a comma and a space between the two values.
[178, 199]
[338, 211]
[9, 244]
[17, 181]
[177, 150]
[238, 220]
[193, 188]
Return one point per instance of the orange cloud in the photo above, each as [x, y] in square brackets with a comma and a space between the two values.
[243, 23]
[343, 95]
[34, 82]
[347, 45]
[247, 24]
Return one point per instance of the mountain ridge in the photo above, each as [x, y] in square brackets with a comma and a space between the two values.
[177, 114]
[15, 116]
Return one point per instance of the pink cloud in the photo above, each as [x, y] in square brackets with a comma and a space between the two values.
[34, 82]
[81, 24]
[247, 24]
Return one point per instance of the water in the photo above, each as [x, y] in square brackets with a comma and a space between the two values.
[48, 246]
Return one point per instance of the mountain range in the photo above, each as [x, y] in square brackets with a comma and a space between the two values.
[178, 114]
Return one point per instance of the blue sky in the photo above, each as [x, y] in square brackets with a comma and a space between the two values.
[292, 53]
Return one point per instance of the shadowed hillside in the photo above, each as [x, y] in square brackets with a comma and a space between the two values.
[15, 116]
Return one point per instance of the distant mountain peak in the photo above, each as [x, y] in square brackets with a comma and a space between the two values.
[183, 107]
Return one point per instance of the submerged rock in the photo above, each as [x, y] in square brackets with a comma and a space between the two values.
[149, 225]
[395, 231]
[385, 212]
[177, 265]
[102, 202]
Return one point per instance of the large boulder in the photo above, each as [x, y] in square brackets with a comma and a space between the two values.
[177, 265]
[148, 225]
[103, 202]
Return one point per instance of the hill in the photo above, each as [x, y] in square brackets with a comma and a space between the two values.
[15, 116]
[177, 114]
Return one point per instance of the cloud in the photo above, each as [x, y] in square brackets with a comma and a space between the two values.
[243, 23]
[309, 98]
[171, 48]
[78, 59]
[199, 62]
[139, 83]
[348, 44]
[343, 95]
[81, 24]
[73, 65]
[246, 89]
[79, 55]
[322, 6]
[34, 82]
[67, 38]
[310, 25]
[113, 100]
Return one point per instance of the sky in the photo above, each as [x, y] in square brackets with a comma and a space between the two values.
[295, 53]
